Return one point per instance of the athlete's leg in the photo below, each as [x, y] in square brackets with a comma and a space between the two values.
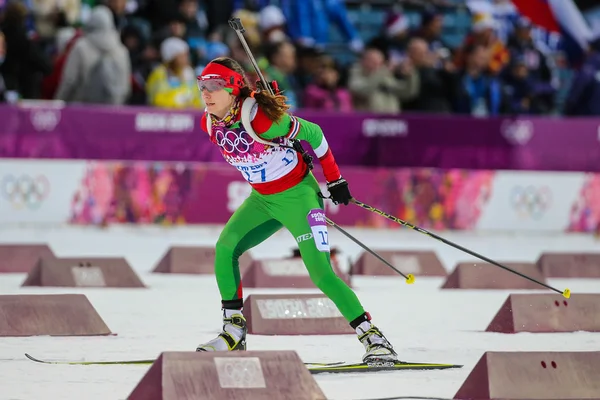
[292, 209]
[249, 225]
[300, 210]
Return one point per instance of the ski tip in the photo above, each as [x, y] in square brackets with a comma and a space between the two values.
[31, 358]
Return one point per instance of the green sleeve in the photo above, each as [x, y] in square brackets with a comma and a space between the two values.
[310, 132]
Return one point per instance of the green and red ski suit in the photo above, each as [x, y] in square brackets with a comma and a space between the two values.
[284, 194]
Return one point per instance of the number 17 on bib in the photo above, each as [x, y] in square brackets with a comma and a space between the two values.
[318, 226]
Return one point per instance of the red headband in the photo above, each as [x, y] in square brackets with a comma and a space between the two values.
[234, 80]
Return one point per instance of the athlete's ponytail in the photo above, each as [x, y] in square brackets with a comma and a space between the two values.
[274, 107]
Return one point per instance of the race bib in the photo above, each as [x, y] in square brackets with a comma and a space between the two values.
[318, 226]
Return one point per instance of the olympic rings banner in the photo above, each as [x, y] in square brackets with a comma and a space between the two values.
[357, 139]
[38, 192]
[104, 192]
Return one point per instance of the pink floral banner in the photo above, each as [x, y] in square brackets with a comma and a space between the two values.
[172, 193]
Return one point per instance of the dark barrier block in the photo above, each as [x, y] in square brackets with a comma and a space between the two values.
[282, 273]
[480, 275]
[294, 314]
[84, 272]
[570, 265]
[50, 314]
[533, 375]
[237, 375]
[548, 313]
[418, 263]
[22, 257]
[194, 260]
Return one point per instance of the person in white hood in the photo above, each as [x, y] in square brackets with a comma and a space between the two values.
[98, 69]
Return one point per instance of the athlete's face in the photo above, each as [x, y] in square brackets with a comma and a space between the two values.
[218, 102]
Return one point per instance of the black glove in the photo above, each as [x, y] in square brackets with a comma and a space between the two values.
[339, 191]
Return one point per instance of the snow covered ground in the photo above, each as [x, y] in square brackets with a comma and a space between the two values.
[177, 312]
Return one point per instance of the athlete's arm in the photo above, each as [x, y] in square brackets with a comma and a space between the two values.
[301, 129]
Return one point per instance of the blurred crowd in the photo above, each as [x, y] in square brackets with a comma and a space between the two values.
[149, 52]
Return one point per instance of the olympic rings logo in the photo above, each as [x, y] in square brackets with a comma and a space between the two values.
[25, 191]
[231, 141]
[530, 201]
[238, 372]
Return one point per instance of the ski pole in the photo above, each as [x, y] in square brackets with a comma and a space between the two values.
[566, 293]
[237, 26]
[410, 278]
[272, 88]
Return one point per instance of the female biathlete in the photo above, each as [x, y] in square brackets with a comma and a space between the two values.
[284, 194]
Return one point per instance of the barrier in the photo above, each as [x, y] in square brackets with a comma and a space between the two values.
[570, 265]
[418, 263]
[480, 275]
[547, 312]
[22, 257]
[49, 315]
[83, 272]
[261, 375]
[533, 375]
[294, 314]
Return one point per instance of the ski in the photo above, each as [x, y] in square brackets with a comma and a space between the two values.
[377, 366]
[122, 362]
[136, 362]
[314, 368]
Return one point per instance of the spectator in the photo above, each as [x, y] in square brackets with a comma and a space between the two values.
[194, 33]
[282, 66]
[480, 93]
[518, 88]
[540, 76]
[213, 48]
[176, 27]
[584, 96]
[432, 24]
[375, 88]
[142, 56]
[97, 69]
[505, 14]
[483, 35]
[158, 13]
[438, 86]
[521, 44]
[51, 82]
[272, 24]
[63, 38]
[173, 83]
[25, 63]
[52, 14]
[325, 93]
[2, 58]
[309, 22]
[218, 13]
[118, 8]
[393, 40]
[309, 63]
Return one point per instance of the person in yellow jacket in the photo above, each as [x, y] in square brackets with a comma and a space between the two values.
[173, 83]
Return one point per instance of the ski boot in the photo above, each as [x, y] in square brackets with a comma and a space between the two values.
[377, 347]
[233, 336]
